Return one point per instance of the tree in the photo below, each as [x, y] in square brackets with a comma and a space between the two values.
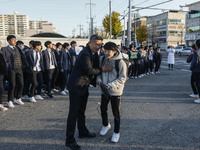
[152, 34]
[141, 33]
[116, 24]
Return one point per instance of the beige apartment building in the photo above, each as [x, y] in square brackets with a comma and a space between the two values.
[21, 26]
[13, 24]
[166, 29]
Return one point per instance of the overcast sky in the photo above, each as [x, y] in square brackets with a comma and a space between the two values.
[66, 15]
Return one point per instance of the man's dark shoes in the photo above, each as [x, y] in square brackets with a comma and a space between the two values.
[73, 146]
[88, 135]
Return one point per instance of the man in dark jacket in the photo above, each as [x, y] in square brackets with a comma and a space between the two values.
[195, 67]
[83, 73]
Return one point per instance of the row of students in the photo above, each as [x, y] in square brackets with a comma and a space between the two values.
[24, 67]
[143, 61]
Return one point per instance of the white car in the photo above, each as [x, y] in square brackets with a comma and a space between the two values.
[179, 49]
[186, 51]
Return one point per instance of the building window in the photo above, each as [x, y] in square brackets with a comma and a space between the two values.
[176, 21]
[193, 29]
[193, 14]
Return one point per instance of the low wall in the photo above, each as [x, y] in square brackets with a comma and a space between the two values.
[55, 40]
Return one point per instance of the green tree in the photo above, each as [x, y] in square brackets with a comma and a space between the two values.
[141, 33]
[116, 24]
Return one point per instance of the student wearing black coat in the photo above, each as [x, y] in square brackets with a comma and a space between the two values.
[2, 73]
[83, 73]
[50, 65]
[35, 69]
[15, 62]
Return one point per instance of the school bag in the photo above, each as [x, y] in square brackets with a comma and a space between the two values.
[117, 65]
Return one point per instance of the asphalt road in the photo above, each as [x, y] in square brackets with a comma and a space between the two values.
[156, 113]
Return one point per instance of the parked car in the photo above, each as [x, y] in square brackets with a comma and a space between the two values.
[186, 51]
[179, 49]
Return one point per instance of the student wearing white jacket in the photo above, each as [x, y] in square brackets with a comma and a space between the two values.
[171, 57]
[114, 84]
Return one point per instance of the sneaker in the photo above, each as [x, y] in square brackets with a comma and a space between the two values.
[194, 95]
[43, 91]
[135, 77]
[158, 71]
[197, 101]
[38, 97]
[91, 86]
[55, 90]
[132, 77]
[25, 97]
[66, 91]
[52, 92]
[10, 104]
[105, 129]
[2, 108]
[32, 100]
[63, 93]
[50, 95]
[18, 101]
[115, 137]
[147, 74]
[152, 72]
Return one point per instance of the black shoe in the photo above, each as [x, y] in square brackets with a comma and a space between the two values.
[89, 135]
[73, 146]
[50, 95]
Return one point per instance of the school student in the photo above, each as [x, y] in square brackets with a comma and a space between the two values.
[114, 83]
[49, 66]
[150, 59]
[65, 67]
[15, 61]
[2, 73]
[56, 74]
[35, 61]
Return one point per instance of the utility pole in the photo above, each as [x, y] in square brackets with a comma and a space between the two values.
[80, 28]
[135, 36]
[91, 18]
[110, 19]
[124, 28]
[129, 24]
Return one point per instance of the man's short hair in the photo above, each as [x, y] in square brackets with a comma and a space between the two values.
[198, 43]
[65, 45]
[96, 37]
[194, 47]
[58, 44]
[19, 42]
[31, 42]
[72, 42]
[47, 43]
[111, 46]
[36, 43]
[9, 37]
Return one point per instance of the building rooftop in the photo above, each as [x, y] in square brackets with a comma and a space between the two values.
[50, 35]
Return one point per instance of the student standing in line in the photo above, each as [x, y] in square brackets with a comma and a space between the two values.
[35, 61]
[15, 62]
[2, 74]
[65, 67]
[49, 66]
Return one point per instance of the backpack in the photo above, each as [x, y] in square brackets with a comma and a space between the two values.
[117, 65]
